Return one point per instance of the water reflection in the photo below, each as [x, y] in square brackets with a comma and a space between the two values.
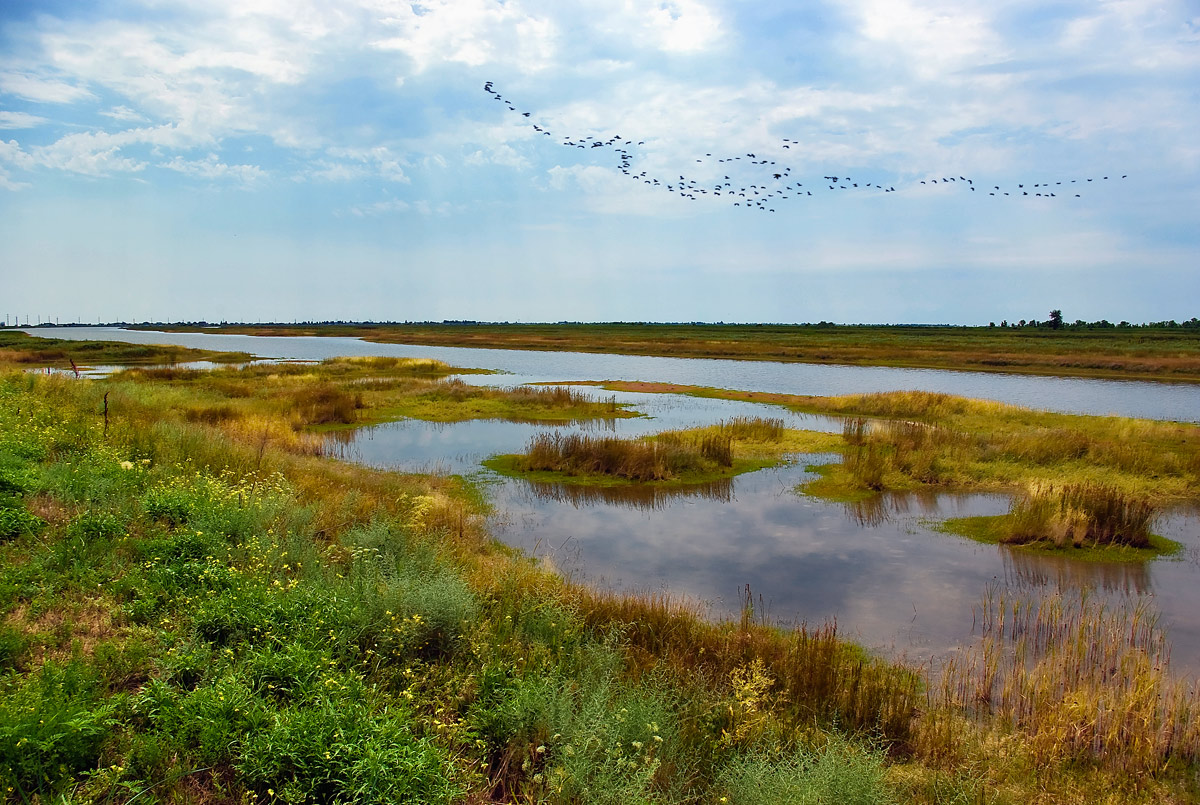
[634, 496]
[879, 569]
[1026, 571]
[879, 509]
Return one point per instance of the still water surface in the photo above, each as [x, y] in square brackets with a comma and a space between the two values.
[882, 572]
[1074, 395]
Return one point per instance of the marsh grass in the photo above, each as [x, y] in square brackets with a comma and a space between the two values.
[20, 348]
[904, 441]
[1081, 682]
[667, 456]
[1079, 514]
[205, 615]
[635, 460]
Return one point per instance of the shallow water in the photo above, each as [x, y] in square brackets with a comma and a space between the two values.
[888, 579]
[879, 570]
[1074, 395]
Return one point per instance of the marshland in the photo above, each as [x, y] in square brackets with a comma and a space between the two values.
[244, 583]
[1163, 351]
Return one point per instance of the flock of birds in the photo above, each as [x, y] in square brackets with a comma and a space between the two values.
[773, 182]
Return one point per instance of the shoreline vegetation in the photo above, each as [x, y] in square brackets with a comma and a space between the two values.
[1153, 352]
[1078, 482]
[195, 606]
[681, 458]
[62, 354]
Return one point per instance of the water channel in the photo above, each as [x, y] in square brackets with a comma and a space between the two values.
[889, 579]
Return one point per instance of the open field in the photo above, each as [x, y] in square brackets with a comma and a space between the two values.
[1132, 353]
[190, 612]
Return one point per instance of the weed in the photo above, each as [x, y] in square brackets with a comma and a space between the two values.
[52, 726]
[836, 772]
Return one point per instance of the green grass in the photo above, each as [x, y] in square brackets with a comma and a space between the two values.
[19, 348]
[202, 615]
[996, 529]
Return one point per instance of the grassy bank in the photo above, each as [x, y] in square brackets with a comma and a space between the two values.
[341, 393]
[64, 355]
[1142, 353]
[188, 613]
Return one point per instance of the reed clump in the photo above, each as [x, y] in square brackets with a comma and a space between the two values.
[884, 454]
[1080, 514]
[667, 456]
[634, 460]
[1080, 682]
[752, 428]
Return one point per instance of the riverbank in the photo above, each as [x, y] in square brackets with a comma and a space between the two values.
[56, 353]
[1171, 355]
[191, 611]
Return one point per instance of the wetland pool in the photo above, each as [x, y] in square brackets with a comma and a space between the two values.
[881, 570]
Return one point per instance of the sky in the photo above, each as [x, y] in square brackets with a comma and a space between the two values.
[280, 160]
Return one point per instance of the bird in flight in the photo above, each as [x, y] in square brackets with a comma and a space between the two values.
[775, 180]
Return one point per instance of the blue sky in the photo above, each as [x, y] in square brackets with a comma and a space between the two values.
[321, 159]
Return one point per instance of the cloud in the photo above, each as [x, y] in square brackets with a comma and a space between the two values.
[42, 90]
[12, 153]
[124, 113]
[212, 168]
[674, 26]
[100, 153]
[931, 38]
[389, 207]
[470, 32]
[504, 155]
[378, 161]
[8, 183]
[19, 120]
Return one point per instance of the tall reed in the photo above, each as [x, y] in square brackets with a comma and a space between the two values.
[1079, 680]
[1079, 514]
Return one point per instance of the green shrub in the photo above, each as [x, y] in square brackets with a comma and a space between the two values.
[174, 505]
[12, 647]
[16, 520]
[208, 723]
[97, 526]
[837, 773]
[52, 727]
[343, 752]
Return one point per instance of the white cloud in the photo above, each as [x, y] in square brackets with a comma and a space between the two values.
[19, 120]
[471, 32]
[376, 161]
[124, 113]
[504, 155]
[43, 90]
[99, 153]
[8, 183]
[12, 153]
[212, 168]
[389, 207]
[673, 26]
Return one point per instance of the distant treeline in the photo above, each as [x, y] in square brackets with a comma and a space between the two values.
[1079, 324]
